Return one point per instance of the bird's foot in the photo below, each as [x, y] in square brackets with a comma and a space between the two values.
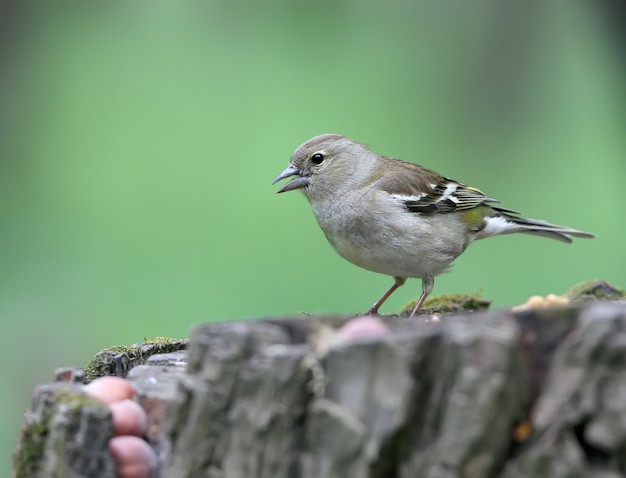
[372, 312]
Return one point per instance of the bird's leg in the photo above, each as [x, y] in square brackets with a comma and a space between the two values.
[427, 287]
[398, 282]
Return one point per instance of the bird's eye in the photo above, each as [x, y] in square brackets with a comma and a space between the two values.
[317, 158]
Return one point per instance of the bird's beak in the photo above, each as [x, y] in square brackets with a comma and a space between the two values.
[295, 183]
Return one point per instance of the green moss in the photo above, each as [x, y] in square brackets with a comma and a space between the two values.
[30, 446]
[595, 290]
[117, 360]
[74, 398]
[450, 303]
[162, 342]
[102, 363]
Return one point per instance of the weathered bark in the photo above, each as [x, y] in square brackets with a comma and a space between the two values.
[507, 394]
[66, 434]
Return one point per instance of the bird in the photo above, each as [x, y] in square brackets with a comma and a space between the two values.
[396, 217]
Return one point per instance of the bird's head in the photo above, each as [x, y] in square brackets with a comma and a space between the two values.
[326, 165]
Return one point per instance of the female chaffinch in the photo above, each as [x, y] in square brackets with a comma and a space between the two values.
[395, 217]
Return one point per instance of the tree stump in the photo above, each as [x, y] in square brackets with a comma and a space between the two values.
[533, 393]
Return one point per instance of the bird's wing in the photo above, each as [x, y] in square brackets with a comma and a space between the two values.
[425, 191]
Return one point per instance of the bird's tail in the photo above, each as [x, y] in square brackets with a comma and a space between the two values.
[538, 227]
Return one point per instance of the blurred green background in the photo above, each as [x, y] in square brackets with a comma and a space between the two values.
[139, 140]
